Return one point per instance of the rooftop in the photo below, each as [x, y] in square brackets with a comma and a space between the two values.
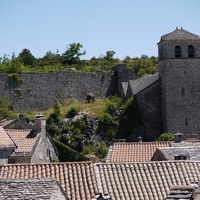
[144, 180]
[28, 189]
[179, 34]
[5, 140]
[140, 84]
[131, 151]
[24, 139]
[76, 178]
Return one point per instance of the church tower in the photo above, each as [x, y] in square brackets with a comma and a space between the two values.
[179, 71]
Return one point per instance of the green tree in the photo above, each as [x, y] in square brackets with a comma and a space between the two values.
[109, 55]
[73, 53]
[27, 58]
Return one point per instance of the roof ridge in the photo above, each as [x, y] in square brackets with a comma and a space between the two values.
[44, 163]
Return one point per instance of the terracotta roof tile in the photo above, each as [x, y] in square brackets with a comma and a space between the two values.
[5, 140]
[144, 180]
[134, 151]
[23, 139]
[77, 179]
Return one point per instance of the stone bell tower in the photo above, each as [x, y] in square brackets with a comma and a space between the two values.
[179, 71]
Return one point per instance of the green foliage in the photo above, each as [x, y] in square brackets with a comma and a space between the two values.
[143, 65]
[18, 90]
[113, 103]
[107, 125]
[57, 108]
[15, 77]
[6, 109]
[72, 112]
[27, 58]
[131, 118]
[66, 154]
[99, 149]
[166, 137]
[109, 55]
[73, 53]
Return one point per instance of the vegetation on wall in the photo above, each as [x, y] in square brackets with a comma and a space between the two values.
[71, 60]
[6, 109]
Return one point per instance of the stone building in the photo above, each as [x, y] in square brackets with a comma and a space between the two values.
[168, 100]
[22, 143]
[179, 72]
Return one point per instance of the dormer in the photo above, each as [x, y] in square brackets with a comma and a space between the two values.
[179, 44]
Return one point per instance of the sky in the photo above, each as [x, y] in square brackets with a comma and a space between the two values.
[129, 27]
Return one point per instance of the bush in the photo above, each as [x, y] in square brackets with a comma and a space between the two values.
[15, 77]
[166, 137]
[100, 150]
[72, 112]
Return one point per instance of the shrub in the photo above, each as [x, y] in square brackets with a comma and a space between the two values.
[18, 90]
[72, 112]
[166, 137]
[100, 150]
[15, 77]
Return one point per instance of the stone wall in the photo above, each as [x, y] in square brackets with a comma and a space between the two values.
[149, 103]
[39, 91]
[180, 95]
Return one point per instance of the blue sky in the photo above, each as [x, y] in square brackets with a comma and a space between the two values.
[129, 27]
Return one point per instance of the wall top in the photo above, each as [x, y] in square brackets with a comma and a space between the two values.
[179, 34]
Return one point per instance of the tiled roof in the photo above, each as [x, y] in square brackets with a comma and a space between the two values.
[5, 140]
[134, 151]
[6, 122]
[77, 179]
[180, 34]
[30, 189]
[25, 140]
[136, 86]
[144, 180]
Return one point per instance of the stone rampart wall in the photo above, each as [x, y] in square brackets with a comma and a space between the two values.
[39, 91]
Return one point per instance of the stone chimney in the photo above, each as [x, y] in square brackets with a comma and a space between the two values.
[179, 137]
[140, 139]
[22, 118]
[40, 123]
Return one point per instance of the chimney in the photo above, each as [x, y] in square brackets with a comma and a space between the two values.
[40, 123]
[179, 137]
[140, 139]
[22, 118]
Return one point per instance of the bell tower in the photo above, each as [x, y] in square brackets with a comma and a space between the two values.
[179, 71]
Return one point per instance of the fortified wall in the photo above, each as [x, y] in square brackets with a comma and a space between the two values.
[39, 91]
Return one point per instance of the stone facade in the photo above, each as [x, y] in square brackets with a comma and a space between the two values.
[179, 75]
[39, 91]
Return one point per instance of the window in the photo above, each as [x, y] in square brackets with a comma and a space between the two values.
[180, 157]
[186, 121]
[190, 51]
[182, 92]
[48, 153]
[160, 53]
[177, 52]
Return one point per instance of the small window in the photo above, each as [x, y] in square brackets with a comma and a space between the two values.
[48, 153]
[182, 92]
[180, 157]
[186, 121]
[177, 52]
[160, 53]
[190, 51]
